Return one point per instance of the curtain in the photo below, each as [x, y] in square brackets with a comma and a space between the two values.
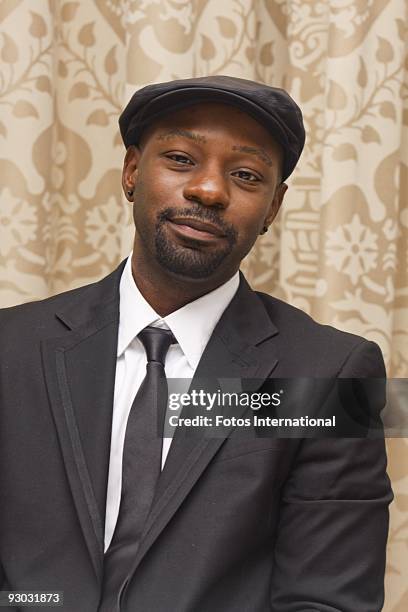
[339, 249]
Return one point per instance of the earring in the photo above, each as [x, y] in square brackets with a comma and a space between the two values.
[264, 229]
[130, 193]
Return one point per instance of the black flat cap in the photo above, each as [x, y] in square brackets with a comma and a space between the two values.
[270, 106]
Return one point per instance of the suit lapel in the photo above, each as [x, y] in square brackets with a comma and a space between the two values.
[240, 351]
[79, 368]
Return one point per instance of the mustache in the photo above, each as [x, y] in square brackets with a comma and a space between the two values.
[200, 214]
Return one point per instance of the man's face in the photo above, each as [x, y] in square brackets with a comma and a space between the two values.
[206, 180]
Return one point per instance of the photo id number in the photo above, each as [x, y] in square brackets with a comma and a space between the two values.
[31, 598]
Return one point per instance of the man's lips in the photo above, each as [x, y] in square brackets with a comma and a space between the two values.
[195, 228]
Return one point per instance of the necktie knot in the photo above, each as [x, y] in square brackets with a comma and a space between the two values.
[156, 342]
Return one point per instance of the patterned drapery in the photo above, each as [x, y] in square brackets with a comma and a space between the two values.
[339, 249]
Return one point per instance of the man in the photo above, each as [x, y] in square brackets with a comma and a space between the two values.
[232, 523]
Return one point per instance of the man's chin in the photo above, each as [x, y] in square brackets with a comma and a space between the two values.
[189, 264]
[189, 270]
[189, 259]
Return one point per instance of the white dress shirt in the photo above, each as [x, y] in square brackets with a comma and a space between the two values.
[192, 326]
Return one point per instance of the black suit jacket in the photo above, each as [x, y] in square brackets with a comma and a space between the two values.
[237, 525]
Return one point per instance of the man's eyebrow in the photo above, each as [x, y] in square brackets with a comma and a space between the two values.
[261, 153]
[180, 132]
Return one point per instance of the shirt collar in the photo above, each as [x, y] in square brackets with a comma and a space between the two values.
[192, 325]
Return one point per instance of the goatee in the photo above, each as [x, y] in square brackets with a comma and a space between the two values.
[192, 262]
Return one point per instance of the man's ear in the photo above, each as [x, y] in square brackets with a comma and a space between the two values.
[129, 173]
[275, 205]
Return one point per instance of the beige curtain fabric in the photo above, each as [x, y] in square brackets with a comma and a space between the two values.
[338, 250]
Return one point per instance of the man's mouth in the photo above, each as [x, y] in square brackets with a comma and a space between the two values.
[196, 229]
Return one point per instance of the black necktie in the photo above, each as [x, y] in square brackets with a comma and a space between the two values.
[141, 466]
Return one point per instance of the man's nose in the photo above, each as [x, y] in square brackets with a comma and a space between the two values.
[208, 187]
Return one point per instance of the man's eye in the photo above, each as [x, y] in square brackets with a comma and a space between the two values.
[247, 176]
[180, 159]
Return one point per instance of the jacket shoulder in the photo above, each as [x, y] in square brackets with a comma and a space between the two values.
[328, 348]
[38, 310]
[82, 301]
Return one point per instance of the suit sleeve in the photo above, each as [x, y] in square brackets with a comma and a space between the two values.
[330, 545]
